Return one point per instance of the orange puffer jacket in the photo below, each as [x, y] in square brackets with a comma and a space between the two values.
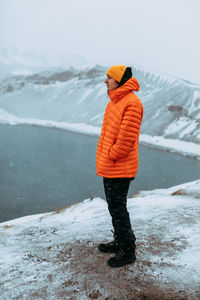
[117, 149]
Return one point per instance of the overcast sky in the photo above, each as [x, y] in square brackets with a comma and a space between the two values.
[157, 34]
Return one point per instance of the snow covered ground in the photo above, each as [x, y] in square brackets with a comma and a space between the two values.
[55, 256]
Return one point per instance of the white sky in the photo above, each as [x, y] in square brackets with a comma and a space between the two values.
[157, 34]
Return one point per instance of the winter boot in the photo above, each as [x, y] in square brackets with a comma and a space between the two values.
[122, 258]
[112, 247]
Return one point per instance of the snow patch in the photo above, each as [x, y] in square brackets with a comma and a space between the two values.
[172, 145]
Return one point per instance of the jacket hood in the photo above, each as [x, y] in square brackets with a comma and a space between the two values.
[130, 85]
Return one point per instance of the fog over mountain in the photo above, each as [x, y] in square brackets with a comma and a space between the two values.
[15, 60]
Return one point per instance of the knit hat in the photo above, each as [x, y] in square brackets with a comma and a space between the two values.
[116, 72]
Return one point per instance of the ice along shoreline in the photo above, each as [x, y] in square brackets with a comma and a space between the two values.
[180, 147]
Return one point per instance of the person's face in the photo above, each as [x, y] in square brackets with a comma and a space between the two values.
[111, 83]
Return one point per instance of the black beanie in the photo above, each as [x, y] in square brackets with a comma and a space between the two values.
[127, 75]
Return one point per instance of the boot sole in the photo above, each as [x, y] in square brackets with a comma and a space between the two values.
[118, 265]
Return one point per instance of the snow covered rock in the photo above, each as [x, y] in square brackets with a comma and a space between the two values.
[55, 256]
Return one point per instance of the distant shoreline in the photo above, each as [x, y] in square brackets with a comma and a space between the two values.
[183, 148]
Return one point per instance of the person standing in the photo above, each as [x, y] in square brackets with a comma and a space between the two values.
[117, 159]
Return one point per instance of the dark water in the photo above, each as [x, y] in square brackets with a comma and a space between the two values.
[45, 169]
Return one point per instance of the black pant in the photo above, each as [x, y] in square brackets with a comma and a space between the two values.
[116, 190]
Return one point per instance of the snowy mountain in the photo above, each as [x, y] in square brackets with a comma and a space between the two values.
[55, 256]
[171, 105]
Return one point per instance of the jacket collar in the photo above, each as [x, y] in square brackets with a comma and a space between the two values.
[129, 86]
